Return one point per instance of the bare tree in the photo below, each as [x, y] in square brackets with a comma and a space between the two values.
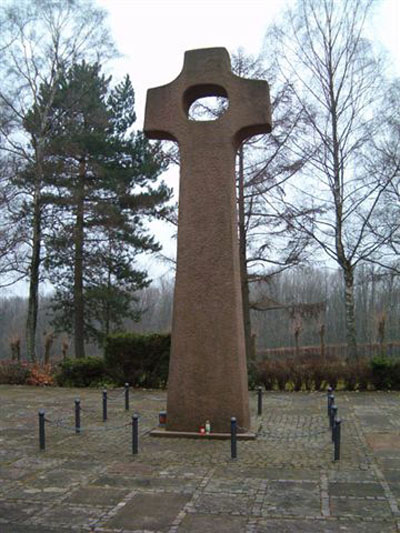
[339, 82]
[39, 39]
[13, 251]
[268, 241]
[382, 160]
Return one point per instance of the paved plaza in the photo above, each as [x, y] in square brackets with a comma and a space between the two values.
[284, 481]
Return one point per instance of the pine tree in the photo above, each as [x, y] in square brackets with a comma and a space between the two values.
[39, 39]
[99, 178]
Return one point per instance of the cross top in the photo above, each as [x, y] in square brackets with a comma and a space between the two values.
[207, 72]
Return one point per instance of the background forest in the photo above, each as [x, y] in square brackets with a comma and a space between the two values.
[318, 199]
[377, 304]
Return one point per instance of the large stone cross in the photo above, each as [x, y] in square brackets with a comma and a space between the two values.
[207, 375]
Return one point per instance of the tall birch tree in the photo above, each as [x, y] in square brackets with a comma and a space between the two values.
[339, 81]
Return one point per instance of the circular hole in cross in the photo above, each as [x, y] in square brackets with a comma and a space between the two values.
[205, 102]
[208, 108]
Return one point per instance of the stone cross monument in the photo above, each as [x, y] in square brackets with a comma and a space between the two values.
[207, 374]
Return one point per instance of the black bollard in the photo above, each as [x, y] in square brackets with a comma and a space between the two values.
[336, 441]
[126, 396]
[135, 434]
[334, 411]
[42, 436]
[332, 417]
[330, 390]
[233, 438]
[104, 405]
[77, 415]
[331, 401]
[259, 396]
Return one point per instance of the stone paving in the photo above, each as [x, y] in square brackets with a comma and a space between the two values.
[284, 481]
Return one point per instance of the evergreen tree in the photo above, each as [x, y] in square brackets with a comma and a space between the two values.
[38, 39]
[99, 178]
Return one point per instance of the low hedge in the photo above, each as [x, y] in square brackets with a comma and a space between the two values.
[14, 372]
[141, 360]
[24, 373]
[379, 373]
[385, 373]
[86, 372]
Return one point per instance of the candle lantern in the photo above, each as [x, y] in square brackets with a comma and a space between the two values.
[162, 418]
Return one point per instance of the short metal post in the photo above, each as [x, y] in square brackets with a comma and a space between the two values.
[42, 436]
[331, 401]
[233, 438]
[135, 434]
[332, 417]
[126, 396]
[77, 415]
[334, 411]
[104, 405]
[337, 439]
[259, 396]
[330, 390]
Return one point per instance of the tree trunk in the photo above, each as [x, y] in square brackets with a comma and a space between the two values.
[297, 343]
[33, 301]
[48, 343]
[322, 341]
[64, 349]
[107, 309]
[243, 260]
[381, 332]
[79, 339]
[349, 314]
[338, 193]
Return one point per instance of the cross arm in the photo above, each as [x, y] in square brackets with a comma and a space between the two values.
[208, 72]
[160, 113]
[252, 98]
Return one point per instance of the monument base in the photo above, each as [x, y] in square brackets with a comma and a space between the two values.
[196, 435]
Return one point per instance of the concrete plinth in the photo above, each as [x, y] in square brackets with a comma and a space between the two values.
[201, 436]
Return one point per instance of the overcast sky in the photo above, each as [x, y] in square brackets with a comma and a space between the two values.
[152, 35]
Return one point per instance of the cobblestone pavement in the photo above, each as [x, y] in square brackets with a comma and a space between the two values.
[284, 481]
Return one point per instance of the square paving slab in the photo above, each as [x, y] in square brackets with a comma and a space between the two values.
[149, 512]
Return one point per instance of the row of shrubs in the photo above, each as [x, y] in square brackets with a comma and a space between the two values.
[379, 373]
[142, 360]
[23, 373]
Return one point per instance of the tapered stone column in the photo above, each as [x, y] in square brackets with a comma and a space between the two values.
[207, 375]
